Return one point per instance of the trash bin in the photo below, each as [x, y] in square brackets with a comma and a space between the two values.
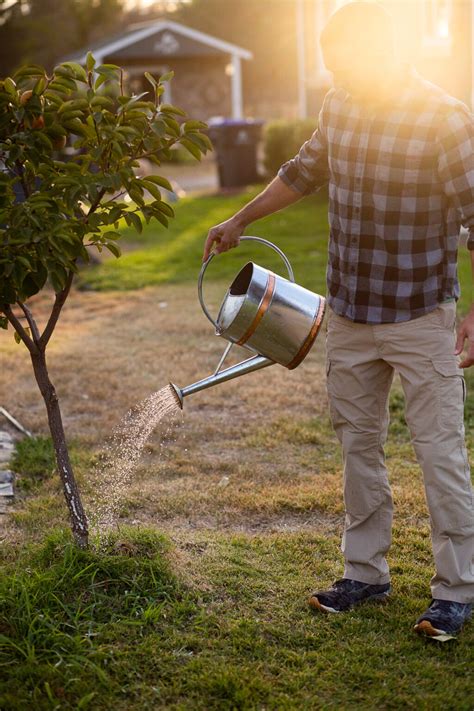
[235, 142]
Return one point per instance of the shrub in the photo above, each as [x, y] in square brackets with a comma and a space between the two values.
[282, 140]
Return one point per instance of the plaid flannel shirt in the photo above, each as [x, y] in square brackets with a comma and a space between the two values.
[401, 182]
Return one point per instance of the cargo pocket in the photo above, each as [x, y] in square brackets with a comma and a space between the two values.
[451, 392]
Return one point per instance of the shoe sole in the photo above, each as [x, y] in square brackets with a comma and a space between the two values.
[426, 628]
[315, 604]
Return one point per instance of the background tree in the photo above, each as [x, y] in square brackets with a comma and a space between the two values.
[43, 31]
[51, 208]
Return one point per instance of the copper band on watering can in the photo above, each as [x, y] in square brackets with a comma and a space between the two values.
[309, 340]
[264, 304]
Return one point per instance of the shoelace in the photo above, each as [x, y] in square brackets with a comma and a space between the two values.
[345, 585]
[343, 589]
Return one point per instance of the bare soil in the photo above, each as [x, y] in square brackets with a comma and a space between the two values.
[111, 350]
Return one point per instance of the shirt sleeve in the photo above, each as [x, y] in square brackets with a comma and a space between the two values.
[456, 162]
[308, 171]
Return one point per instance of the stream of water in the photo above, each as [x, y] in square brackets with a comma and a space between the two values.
[120, 456]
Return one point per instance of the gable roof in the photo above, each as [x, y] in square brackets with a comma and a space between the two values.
[136, 33]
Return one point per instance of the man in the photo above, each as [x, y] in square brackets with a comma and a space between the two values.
[398, 154]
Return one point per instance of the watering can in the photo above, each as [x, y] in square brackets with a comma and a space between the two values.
[273, 317]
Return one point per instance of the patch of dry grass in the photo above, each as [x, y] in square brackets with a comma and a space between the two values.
[257, 453]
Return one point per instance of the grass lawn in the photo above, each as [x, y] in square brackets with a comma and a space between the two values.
[162, 256]
[197, 598]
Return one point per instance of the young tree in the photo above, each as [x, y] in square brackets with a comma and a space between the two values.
[51, 208]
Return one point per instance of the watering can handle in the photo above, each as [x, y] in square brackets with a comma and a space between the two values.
[206, 264]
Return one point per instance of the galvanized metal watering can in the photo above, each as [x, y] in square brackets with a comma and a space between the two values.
[271, 316]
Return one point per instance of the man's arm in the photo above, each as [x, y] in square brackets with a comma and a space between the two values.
[276, 196]
[456, 170]
[306, 173]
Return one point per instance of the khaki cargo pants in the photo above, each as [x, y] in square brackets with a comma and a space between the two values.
[361, 361]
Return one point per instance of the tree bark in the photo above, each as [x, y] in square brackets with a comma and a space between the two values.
[80, 528]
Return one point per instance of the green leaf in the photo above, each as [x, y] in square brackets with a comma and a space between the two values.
[74, 105]
[159, 127]
[26, 263]
[58, 277]
[194, 150]
[40, 276]
[173, 125]
[90, 61]
[17, 337]
[62, 83]
[29, 70]
[28, 287]
[161, 218]
[191, 124]
[167, 209]
[151, 79]
[133, 218]
[160, 180]
[10, 86]
[40, 85]
[114, 248]
[3, 322]
[114, 214]
[152, 188]
[203, 140]
[104, 101]
[169, 108]
[167, 76]
[197, 139]
[78, 71]
[108, 68]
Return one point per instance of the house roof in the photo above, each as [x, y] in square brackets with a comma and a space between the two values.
[159, 38]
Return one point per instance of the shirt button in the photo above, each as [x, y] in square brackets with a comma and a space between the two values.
[354, 240]
[353, 270]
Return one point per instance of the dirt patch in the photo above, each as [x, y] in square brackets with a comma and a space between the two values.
[256, 524]
[113, 349]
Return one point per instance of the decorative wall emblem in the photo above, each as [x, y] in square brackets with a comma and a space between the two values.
[167, 44]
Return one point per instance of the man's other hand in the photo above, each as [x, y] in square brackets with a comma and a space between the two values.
[224, 235]
[466, 331]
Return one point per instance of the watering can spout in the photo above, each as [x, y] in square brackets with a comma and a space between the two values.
[220, 376]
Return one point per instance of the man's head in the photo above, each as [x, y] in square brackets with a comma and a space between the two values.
[358, 45]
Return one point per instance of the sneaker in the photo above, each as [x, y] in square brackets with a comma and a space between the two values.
[346, 593]
[443, 619]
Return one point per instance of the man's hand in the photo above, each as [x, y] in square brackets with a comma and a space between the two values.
[466, 331]
[225, 235]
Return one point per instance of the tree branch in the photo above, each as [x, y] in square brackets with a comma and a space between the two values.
[56, 310]
[21, 175]
[31, 322]
[96, 203]
[29, 343]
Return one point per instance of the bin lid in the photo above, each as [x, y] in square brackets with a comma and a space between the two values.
[223, 121]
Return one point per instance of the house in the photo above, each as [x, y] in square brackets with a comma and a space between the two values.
[208, 76]
[281, 73]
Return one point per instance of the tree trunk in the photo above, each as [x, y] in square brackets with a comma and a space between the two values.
[80, 527]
